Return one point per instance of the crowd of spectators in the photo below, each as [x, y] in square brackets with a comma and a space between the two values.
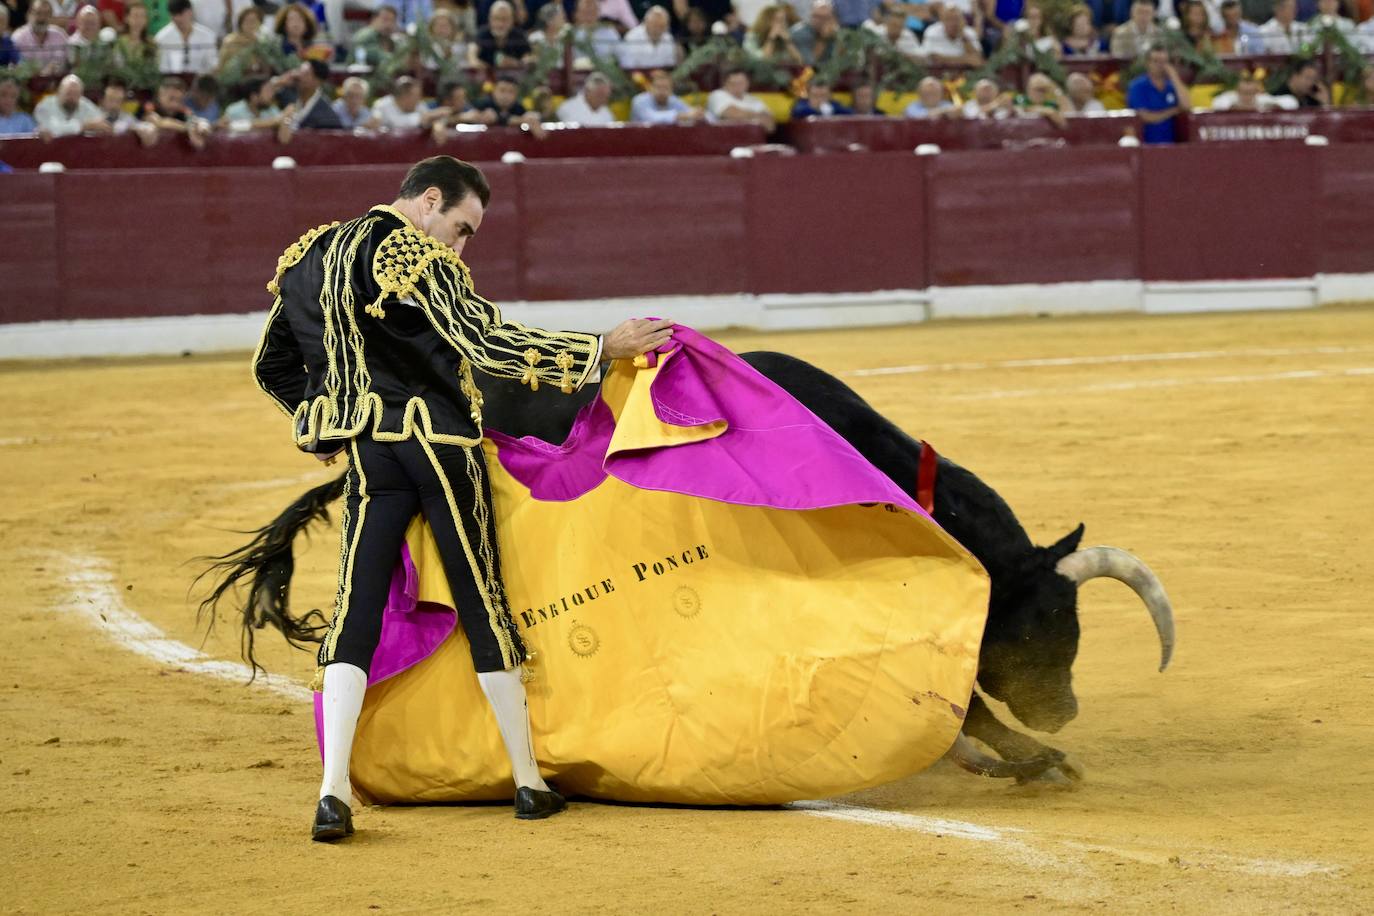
[198, 44]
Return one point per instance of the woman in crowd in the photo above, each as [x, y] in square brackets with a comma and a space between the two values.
[1037, 31]
[1196, 25]
[1082, 39]
[695, 30]
[553, 25]
[247, 27]
[133, 45]
[296, 27]
[447, 43]
[771, 37]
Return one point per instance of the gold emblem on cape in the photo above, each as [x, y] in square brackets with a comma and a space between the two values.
[583, 640]
[686, 601]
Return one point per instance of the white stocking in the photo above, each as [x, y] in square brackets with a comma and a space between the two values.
[506, 693]
[344, 686]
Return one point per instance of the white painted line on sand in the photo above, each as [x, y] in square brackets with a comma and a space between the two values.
[1107, 359]
[935, 826]
[95, 596]
[1145, 384]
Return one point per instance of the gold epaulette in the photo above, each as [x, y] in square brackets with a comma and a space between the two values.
[402, 258]
[293, 254]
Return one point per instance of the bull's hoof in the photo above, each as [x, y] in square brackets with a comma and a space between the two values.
[1071, 768]
[1064, 775]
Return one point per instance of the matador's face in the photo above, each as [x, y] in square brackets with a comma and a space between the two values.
[453, 226]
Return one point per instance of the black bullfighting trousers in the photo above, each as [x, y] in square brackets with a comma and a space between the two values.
[387, 484]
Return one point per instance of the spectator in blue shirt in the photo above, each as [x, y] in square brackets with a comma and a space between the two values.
[1158, 96]
[818, 103]
[659, 105]
[854, 13]
[931, 103]
[12, 120]
[9, 54]
[203, 99]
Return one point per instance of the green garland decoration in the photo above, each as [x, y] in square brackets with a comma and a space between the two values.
[98, 64]
[547, 59]
[1206, 66]
[861, 51]
[622, 87]
[264, 58]
[721, 54]
[1016, 48]
[1349, 60]
[24, 72]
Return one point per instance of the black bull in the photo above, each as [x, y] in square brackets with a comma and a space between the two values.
[1031, 637]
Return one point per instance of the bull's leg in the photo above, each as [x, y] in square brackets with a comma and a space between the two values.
[1010, 744]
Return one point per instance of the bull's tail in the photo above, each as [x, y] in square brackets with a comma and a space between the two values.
[267, 563]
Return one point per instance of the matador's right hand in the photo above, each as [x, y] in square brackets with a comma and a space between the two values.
[635, 336]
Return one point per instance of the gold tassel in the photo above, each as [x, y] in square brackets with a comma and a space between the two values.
[375, 309]
[468, 386]
[565, 361]
[529, 378]
[317, 682]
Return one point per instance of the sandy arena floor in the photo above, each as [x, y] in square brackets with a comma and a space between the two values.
[1231, 452]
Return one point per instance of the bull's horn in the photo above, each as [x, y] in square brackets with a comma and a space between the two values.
[967, 756]
[1114, 563]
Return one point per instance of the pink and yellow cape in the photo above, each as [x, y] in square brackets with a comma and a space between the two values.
[725, 603]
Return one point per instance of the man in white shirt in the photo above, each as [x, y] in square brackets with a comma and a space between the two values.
[732, 103]
[659, 105]
[989, 101]
[112, 107]
[185, 45]
[894, 31]
[952, 41]
[590, 107]
[588, 29]
[402, 110]
[87, 33]
[67, 112]
[649, 44]
[219, 16]
[1082, 99]
[1249, 95]
[1284, 34]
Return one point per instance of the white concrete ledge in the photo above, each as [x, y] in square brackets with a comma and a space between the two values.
[224, 333]
[1230, 296]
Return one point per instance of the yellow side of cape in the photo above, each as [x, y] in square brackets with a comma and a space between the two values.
[693, 651]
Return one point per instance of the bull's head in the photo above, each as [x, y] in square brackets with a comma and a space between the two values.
[1032, 633]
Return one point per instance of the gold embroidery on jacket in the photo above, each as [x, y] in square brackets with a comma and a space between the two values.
[293, 254]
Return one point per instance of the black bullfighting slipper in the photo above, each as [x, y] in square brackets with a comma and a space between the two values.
[333, 821]
[532, 804]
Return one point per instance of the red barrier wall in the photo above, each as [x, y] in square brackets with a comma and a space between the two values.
[1238, 211]
[1038, 216]
[836, 223]
[1344, 209]
[119, 243]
